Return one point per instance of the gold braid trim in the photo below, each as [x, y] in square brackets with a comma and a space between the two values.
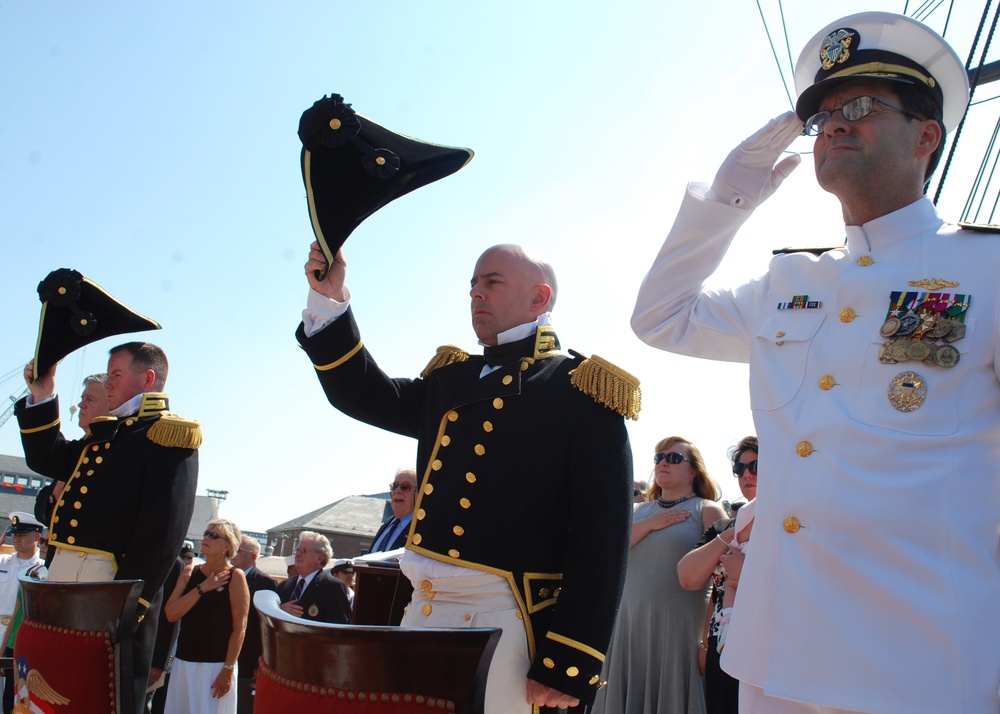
[173, 431]
[608, 385]
[445, 355]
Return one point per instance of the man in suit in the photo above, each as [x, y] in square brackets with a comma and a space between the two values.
[130, 484]
[504, 441]
[246, 560]
[402, 497]
[314, 594]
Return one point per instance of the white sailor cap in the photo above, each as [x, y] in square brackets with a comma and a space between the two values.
[884, 46]
[21, 522]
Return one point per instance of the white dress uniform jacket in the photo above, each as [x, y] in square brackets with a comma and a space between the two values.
[886, 598]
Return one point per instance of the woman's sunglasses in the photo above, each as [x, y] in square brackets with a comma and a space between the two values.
[213, 535]
[671, 457]
[739, 469]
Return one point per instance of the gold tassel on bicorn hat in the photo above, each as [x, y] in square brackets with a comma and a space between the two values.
[608, 385]
[174, 431]
[445, 355]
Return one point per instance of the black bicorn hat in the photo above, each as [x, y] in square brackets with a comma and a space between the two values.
[352, 167]
[881, 46]
[77, 312]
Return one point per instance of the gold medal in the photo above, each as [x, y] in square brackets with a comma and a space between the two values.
[940, 329]
[890, 327]
[956, 332]
[917, 350]
[907, 391]
[883, 354]
[899, 351]
[946, 356]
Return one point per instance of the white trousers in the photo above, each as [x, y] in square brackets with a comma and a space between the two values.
[479, 601]
[76, 566]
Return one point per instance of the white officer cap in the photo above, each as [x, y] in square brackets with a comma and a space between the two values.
[884, 46]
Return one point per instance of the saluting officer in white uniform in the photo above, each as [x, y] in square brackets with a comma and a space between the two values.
[873, 581]
[25, 531]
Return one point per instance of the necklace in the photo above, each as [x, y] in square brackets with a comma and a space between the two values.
[670, 504]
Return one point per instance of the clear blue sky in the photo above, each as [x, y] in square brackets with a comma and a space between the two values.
[153, 147]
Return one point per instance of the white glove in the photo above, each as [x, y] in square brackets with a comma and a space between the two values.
[749, 176]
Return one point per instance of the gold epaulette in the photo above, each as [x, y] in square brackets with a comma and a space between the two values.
[446, 354]
[608, 385]
[173, 431]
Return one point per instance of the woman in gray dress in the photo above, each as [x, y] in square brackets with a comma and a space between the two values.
[652, 664]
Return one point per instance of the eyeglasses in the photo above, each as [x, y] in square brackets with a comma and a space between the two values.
[304, 551]
[404, 487]
[213, 535]
[739, 469]
[853, 110]
[671, 457]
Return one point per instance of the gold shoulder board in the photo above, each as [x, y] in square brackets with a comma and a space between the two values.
[445, 355]
[173, 431]
[608, 385]
[979, 227]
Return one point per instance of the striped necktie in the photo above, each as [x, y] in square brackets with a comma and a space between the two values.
[299, 587]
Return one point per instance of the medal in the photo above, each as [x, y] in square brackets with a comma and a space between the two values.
[946, 356]
[917, 350]
[907, 391]
[890, 327]
[313, 610]
[899, 350]
[908, 324]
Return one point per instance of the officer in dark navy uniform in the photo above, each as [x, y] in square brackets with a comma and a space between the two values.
[130, 483]
[525, 475]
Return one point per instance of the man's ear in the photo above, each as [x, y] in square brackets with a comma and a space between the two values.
[542, 298]
[149, 379]
[931, 135]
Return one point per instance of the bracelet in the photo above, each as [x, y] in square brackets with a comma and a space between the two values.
[230, 667]
[198, 588]
[719, 538]
[702, 645]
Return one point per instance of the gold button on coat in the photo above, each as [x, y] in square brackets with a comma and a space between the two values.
[452, 415]
[548, 663]
[83, 489]
[421, 514]
[436, 465]
[74, 523]
[779, 333]
[498, 403]
[470, 477]
[792, 524]
[572, 671]
[99, 459]
[428, 488]
[427, 609]
[458, 530]
[544, 592]
[847, 314]
[465, 503]
[417, 538]
[78, 505]
[508, 379]
[487, 426]
[864, 261]
[445, 440]
[595, 679]
[480, 449]
[826, 382]
[803, 448]
[71, 540]
[453, 553]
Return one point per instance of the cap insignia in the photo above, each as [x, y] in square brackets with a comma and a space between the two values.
[836, 48]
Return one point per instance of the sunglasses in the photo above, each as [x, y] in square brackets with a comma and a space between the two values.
[739, 469]
[213, 535]
[671, 458]
[404, 487]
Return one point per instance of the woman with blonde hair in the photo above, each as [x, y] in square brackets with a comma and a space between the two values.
[212, 601]
[652, 664]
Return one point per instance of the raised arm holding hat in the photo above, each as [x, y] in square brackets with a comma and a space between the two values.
[130, 481]
[873, 581]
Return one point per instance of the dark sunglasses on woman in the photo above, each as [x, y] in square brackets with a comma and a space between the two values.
[739, 468]
[671, 457]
